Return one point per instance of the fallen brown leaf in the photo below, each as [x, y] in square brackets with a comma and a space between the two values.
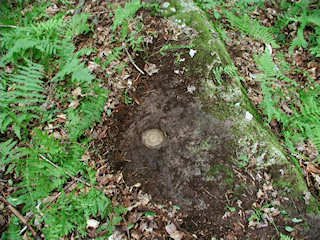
[151, 68]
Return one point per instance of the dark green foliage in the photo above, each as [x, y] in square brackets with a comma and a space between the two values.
[252, 28]
[77, 70]
[126, 13]
[72, 212]
[89, 112]
[13, 231]
[40, 178]
[231, 71]
[304, 124]
[21, 94]
[38, 42]
[36, 57]
[304, 13]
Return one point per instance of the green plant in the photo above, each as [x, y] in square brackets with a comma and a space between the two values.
[303, 15]
[34, 57]
[87, 114]
[41, 179]
[229, 70]
[242, 161]
[303, 123]
[252, 28]
[126, 98]
[285, 237]
[21, 94]
[258, 214]
[124, 14]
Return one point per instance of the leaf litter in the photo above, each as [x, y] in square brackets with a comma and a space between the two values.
[165, 220]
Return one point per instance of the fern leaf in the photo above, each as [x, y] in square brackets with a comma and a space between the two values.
[125, 13]
[252, 28]
[299, 41]
[26, 88]
[90, 112]
[6, 148]
[79, 73]
[79, 25]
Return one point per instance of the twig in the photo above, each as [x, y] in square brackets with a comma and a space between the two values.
[133, 63]
[58, 195]
[208, 192]
[9, 26]
[69, 174]
[15, 212]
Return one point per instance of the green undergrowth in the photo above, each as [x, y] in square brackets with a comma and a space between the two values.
[299, 120]
[40, 72]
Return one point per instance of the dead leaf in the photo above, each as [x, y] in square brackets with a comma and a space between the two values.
[47, 105]
[74, 104]
[117, 235]
[171, 228]
[61, 118]
[287, 109]
[191, 89]
[92, 223]
[260, 194]
[52, 10]
[136, 234]
[85, 157]
[151, 68]
[311, 168]
[177, 235]
[93, 66]
[77, 92]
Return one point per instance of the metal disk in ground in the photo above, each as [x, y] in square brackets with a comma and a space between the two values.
[153, 138]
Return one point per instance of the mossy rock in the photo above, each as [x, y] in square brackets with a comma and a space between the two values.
[228, 101]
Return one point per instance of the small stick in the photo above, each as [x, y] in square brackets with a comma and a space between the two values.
[133, 63]
[9, 26]
[208, 192]
[15, 212]
[69, 174]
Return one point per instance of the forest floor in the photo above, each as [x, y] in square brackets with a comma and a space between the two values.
[153, 88]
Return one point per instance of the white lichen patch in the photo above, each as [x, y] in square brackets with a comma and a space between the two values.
[153, 138]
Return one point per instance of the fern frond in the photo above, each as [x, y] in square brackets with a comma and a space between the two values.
[24, 88]
[79, 25]
[13, 231]
[231, 71]
[285, 237]
[252, 28]
[270, 104]
[79, 73]
[40, 41]
[266, 64]
[87, 114]
[299, 41]
[125, 13]
[314, 18]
